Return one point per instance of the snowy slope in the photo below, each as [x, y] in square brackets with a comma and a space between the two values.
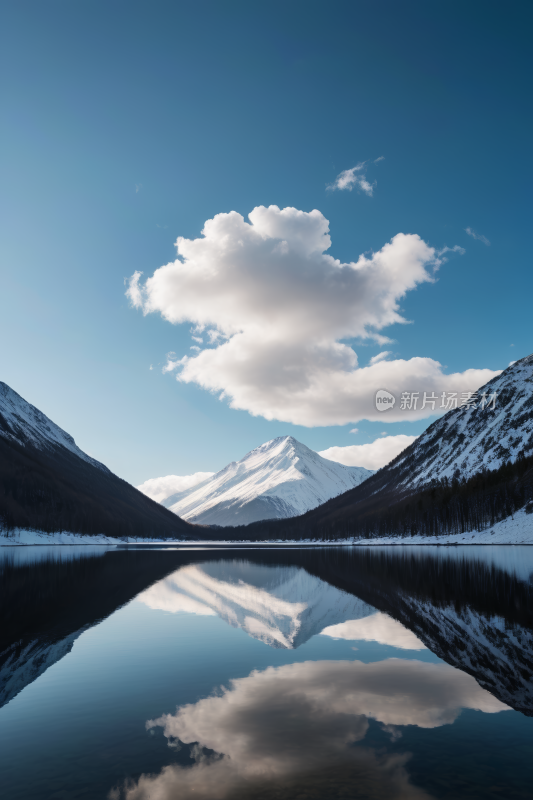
[24, 424]
[469, 439]
[281, 606]
[282, 478]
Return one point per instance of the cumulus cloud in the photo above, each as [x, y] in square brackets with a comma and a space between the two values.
[478, 236]
[277, 311]
[376, 628]
[354, 430]
[300, 724]
[353, 178]
[372, 456]
[159, 489]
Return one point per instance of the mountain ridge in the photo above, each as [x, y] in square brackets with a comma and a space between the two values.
[48, 484]
[279, 479]
[25, 424]
[466, 444]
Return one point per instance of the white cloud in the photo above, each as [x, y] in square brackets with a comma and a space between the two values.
[353, 178]
[354, 430]
[376, 628]
[377, 160]
[380, 357]
[278, 310]
[478, 236]
[455, 249]
[161, 488]
[304, 725]
[372, 456]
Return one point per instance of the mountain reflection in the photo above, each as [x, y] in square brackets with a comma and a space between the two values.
[473, 607]
[280, 606]
[299, 729]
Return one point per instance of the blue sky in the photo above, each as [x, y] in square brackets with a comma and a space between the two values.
[126, 125]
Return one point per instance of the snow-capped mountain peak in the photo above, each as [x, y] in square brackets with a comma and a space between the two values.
[280, 478]
[24, 424]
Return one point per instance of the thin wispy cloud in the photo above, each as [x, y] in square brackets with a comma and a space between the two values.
[478, 236]
[354, 430]
[380, 357]
[353, 178]
[455, 249]
[377, 160]
[138, 187]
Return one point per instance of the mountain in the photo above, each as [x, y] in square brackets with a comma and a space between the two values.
[490, 446]
[47, 483]
[467, 440]
[281, 478]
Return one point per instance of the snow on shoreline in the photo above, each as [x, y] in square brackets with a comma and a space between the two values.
[513, 530]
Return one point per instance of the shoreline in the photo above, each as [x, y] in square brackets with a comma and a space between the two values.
[516, 530]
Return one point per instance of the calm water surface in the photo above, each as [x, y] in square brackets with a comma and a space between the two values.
[274, 673]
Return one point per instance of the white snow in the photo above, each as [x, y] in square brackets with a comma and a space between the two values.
[281, 478]
[470, 439]
[27, 536]
[517, 529]
[23, 423]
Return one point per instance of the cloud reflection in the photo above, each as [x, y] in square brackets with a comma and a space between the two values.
[294, 728]
[376, 628]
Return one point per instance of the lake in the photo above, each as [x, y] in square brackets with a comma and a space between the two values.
[336, 672]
